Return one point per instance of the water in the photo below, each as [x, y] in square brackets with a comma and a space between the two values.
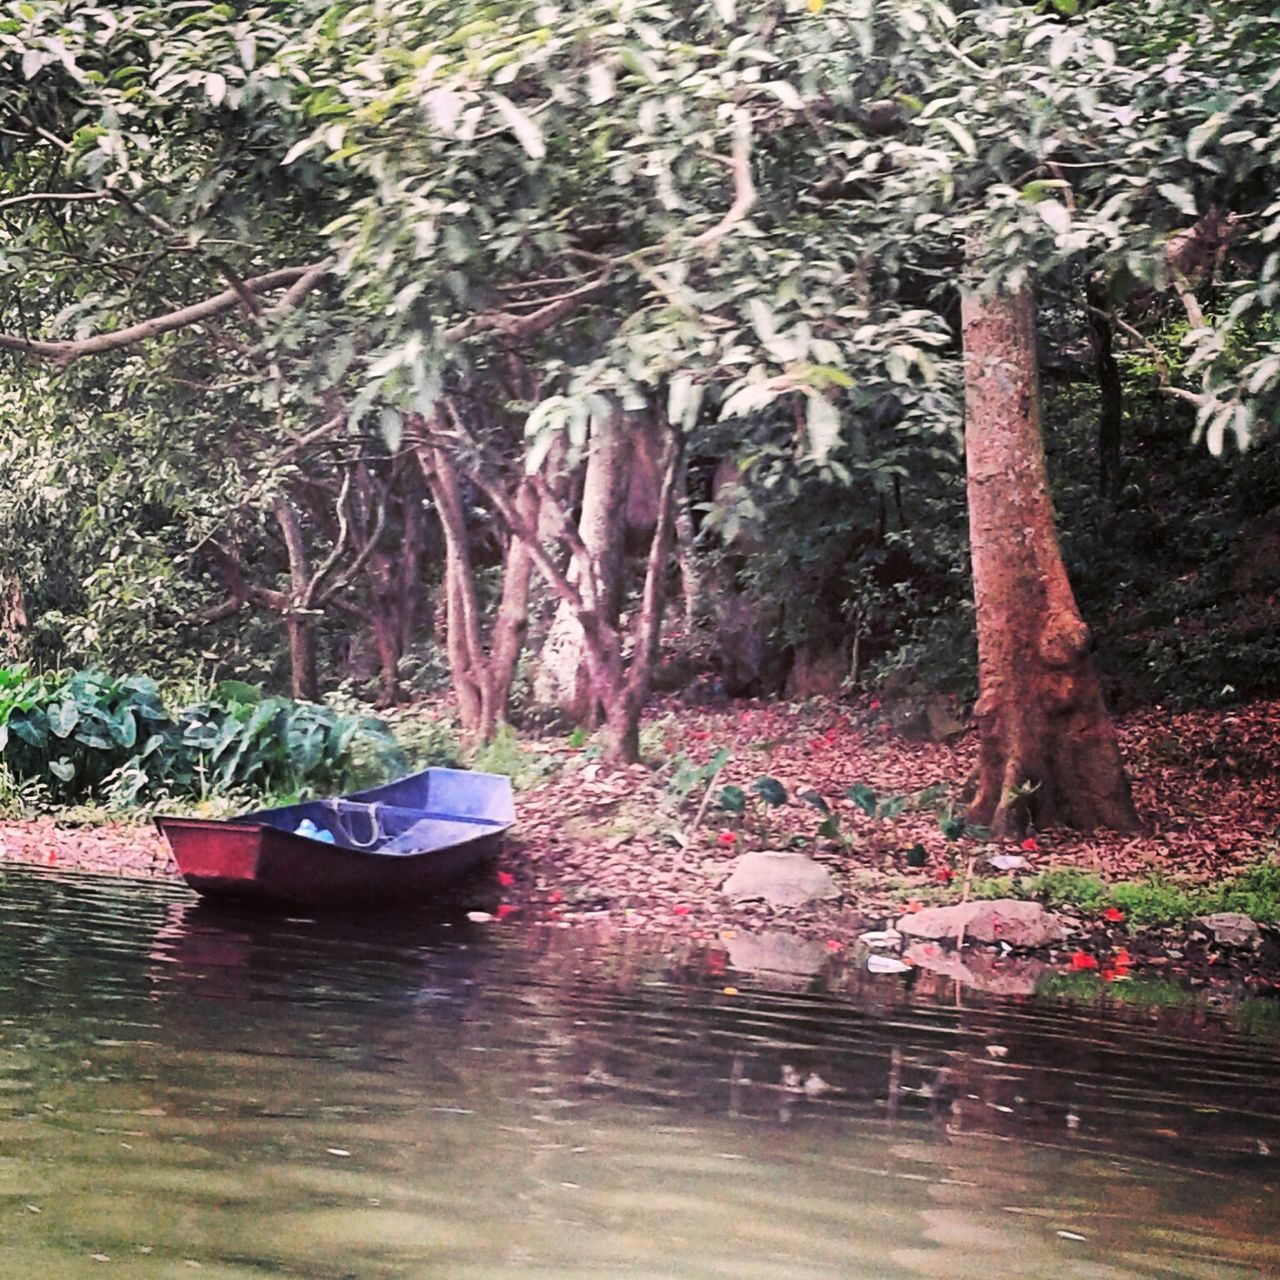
[185, 1095]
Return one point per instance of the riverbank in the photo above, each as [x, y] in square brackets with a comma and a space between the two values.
[647, 848]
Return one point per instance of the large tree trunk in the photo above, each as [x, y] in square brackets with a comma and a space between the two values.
[563, 678]
[1048, 751]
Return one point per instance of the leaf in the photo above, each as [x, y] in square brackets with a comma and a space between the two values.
[600, 84]
[391, 428]
[786, 94]
[891, 807]
[863, 796]
[62, 769]
[1179, 197]
[1056, 214]
[814, 799]
[215, 85]
[1203, 134]
[770, 790]
[822, 422]
[526, 130]
[63, 718]
[444, 106]
[237, 693]
[732, 799]
[964, 139]
[830, 828]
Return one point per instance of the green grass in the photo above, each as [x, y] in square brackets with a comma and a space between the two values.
[1157, 900]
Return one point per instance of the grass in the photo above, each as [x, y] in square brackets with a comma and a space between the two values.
[1157, 900]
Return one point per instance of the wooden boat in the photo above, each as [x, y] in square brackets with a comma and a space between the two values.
[393, 845]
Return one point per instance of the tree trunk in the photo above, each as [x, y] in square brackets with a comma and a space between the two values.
[13, 618]
[1048, 751]
[564, 679]
[625, 696]
[462, 622]
[297, 620]
[481, 677]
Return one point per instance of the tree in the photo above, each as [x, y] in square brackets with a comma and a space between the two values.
[1047, 748]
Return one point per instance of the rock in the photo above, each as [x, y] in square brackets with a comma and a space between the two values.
[780, 879]
[880, 939]
[1008, 920]
[1007, 976]
[778, 953]
[1231, 929]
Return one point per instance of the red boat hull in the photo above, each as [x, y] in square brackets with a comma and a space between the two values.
[250, 860]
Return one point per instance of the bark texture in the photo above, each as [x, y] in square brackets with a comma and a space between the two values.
[481, 673]
[563, 679]
[1048, 753]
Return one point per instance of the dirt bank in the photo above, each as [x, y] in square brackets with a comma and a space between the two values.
[647, 848]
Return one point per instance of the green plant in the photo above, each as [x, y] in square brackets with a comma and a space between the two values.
[504, 754]
[89, 734]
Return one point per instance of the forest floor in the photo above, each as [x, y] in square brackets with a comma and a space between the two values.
[646, 848]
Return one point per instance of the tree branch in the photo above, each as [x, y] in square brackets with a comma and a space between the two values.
[64, 352]
[744, 192]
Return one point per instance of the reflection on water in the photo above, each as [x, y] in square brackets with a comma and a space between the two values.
[264, 1097]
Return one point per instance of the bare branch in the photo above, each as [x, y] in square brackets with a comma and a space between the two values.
[62, 197]
[535, 322]
[64, 352]
[339, 543]
[744, 192]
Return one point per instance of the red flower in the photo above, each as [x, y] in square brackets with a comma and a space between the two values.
[725, 839]
[51, 858]
[1114, 914]
[679, 911]
[911, 908]
[1121, 958]
[505, 909]
[699, 735]
[874, 704]
[1029, 844]
[833, 945]
[1082, 960]
[554, 896]
[506, 879]
[1108, 975]
[944, 875]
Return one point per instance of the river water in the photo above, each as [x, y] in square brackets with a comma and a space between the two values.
[188, 1094]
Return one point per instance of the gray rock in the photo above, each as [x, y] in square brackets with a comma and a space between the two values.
[982, 971]
[777, 953]
[1231, 929]
[780, 879]
[1010, 920]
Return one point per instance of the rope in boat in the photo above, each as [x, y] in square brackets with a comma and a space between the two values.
[376, 832]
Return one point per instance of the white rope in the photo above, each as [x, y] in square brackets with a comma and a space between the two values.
[376, 833]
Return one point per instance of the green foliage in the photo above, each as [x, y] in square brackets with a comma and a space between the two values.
[732, 800]
[1148, 903]
[770, 791]
[87, 734]
[505, 754]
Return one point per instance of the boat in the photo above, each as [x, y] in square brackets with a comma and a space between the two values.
[394, 845]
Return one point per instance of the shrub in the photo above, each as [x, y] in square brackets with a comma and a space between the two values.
[89, 734]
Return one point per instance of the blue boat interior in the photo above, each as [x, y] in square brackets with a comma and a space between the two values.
[423, 812]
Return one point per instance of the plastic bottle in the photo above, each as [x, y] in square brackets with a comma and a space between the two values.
[309, 829]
